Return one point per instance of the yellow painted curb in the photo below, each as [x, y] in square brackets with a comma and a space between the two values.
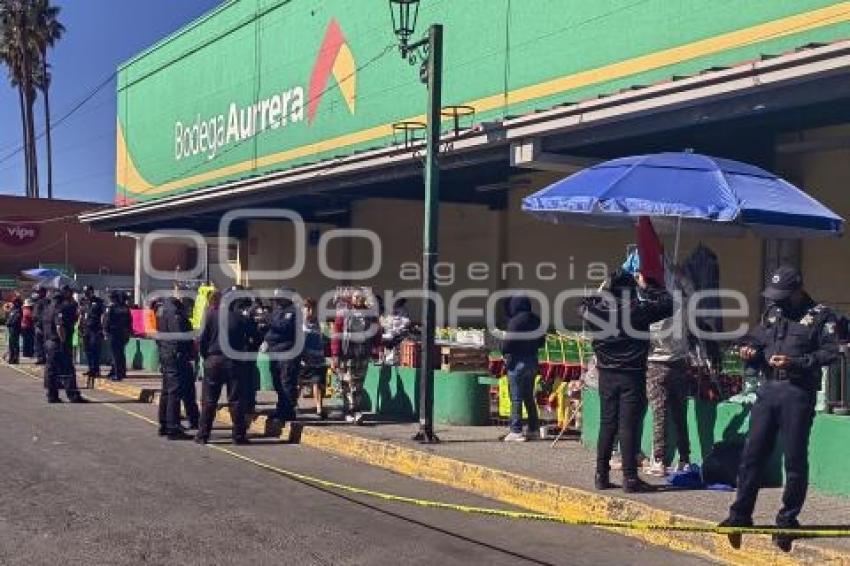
[528, 493]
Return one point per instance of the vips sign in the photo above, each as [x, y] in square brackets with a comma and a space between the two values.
[18, 233]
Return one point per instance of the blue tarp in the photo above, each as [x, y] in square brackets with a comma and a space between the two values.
[716, 194]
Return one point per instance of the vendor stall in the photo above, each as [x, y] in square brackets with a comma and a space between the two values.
[705, 195]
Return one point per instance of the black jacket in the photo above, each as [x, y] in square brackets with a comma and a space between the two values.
[807, 335]
[615, 347]
[91, 316]
[283, 326]
[522, 320]
[13, 321]
[118, 323]
[210, 343]
[171, 318]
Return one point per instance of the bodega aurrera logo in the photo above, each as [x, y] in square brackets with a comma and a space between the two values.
[208, 136]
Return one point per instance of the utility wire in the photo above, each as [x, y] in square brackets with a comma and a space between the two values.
[59, 121]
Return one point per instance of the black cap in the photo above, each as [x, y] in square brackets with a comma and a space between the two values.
[783, 283]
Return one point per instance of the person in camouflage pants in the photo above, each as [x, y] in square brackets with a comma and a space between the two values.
[667, 391]
[666, 377]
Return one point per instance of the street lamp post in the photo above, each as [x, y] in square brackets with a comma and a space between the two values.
[404, 14]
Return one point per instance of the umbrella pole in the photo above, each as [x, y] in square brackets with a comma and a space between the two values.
[678, 237]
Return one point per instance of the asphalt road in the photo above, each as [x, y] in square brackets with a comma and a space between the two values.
[91, 484]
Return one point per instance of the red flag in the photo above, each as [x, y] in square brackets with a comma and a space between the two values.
[651, 251]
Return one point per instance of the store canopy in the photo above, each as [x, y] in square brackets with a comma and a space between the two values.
[688, 190]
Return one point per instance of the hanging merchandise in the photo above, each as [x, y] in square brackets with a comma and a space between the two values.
[650, 251]
[703, 269]
[200, 307]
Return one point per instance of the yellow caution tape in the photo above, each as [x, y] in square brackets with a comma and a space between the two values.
[523, 515]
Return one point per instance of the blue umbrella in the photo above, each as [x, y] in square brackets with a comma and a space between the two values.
[698, 191]
[41, 273]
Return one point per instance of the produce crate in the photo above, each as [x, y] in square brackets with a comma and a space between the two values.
[411, 354]
[458, 358]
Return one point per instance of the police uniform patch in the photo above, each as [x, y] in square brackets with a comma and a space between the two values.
[829, 327]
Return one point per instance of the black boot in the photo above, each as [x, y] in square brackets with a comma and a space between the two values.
[603, 481]
[735, 538]
[785, 542]
[636, 485]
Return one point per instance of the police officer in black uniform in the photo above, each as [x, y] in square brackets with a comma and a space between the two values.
[117, 326]
[284, 325]
[258, 317]
[91, 329]
[41, 302]
[795, 339]
[220, 369]
[175, 350]
[13, 323]
[57, 324]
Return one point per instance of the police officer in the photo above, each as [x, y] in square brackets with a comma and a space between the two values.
[58, 319]
[221, 369]
[258, 318]
[14, 318]
[795, 339]
[41, 302]
[281, 338]
[175, 350]
[91, 329]
[117, 326]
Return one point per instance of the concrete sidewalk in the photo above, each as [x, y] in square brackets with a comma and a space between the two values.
[537, 477]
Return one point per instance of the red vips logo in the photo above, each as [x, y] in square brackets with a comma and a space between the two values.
[18, 233]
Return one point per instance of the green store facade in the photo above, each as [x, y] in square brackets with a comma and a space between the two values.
[300, 105]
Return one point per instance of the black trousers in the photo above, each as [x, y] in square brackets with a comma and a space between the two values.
[188, 394]
[28, 342]
[40, 354]
[170, 394]
[13, 356]
[119, 357]
[218, 373]
[93, 343]
[623, 399]
[59, 370]
[789, 410]
[285, 381]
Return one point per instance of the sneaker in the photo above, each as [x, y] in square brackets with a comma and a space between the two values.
[656, 468]
[358, 418]
[349, 418]
[735, 538]
[515, 437]
[683, 467]
[616, 463]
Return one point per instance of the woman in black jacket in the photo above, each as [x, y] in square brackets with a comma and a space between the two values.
[620, 319]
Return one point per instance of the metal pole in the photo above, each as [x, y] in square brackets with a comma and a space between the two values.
[430, 235]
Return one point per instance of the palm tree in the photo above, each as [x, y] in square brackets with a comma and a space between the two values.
[10, 56]
[48, 30]
[20, 54]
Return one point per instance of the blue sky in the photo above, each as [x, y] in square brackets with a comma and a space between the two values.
[100, 35]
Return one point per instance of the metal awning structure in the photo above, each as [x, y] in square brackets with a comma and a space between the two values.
[540, 140]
